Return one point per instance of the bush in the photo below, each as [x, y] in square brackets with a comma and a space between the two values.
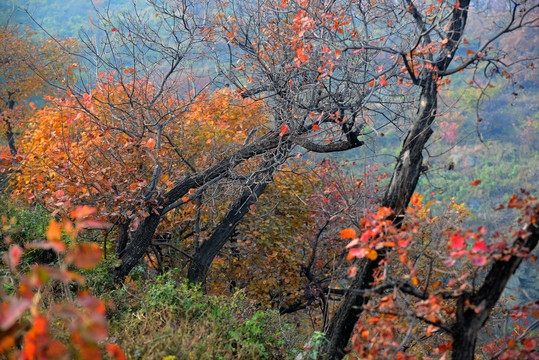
[176, 322]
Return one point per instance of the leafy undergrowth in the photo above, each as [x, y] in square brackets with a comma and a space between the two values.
[165, 319]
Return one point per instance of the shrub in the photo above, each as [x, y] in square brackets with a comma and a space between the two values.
[174, 321]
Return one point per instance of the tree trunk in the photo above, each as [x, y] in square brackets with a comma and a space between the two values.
[10, 135]
[135, 250]
[403, 182]
[406, 174]
[123, 237]
[205, 254]
[473, 310]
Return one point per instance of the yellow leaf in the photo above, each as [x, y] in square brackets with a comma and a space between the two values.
[372, 254]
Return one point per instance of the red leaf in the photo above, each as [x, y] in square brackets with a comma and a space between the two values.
[363, 252]
[478, 260]
[41, 325]
[284, 129]
[10, 313]
[529, 343]
[352, 272]
[114, 30]
[479, 246]
[383, 82]
[456, 242]
[358, 252]
[57, 246]
[14, 256]
[475, 182]
[115, 352]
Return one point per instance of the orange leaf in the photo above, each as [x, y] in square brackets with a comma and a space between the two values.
[115, 352]
[41, 325]
[475, 182]
[54, 233]
[316, 127]
[150, 144]
[82, 211]
[85, 255]
[284, 129]
[348, 233]
[416, 200]
[372, 254]
[383, 82]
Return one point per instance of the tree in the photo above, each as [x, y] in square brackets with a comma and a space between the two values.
[145, 102]
[423, 50]
[29, 66]
[415, 300]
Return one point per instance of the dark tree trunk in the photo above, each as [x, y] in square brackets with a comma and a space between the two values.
[10, 135]
[473, 310]
[403, 182]
[123, 237]
[205, 254]
[135, 250]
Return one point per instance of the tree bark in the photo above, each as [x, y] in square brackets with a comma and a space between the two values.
[406, 173]
[473, 311]
[142, 238]
[10, 135]
[123, 237]
[205, 254]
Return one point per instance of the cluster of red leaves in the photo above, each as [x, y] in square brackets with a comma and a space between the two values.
[28, 336]
[460, 255]
[521, 343]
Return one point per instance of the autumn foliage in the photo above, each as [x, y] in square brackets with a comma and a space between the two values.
[84, 150]
[25, 323]
[425, 285]
[179, 139]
